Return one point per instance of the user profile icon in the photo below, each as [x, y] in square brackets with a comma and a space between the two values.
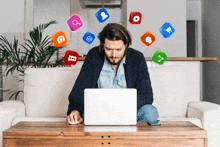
[102, 15]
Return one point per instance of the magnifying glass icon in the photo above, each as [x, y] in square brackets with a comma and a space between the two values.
[75, 22]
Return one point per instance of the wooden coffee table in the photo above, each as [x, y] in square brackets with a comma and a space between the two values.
[169, 134]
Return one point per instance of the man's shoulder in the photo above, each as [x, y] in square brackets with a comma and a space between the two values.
[93, 56]
[94, 50]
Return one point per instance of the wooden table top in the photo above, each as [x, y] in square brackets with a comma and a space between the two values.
[168, 129]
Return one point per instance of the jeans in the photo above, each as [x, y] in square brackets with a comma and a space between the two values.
[146, 113]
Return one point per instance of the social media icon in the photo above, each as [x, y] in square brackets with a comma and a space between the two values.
[88, 37]
[148, 38]
[102, 15]
[59, 39]
[135, 17]
[74, 22]
[159, 57]
[166, 30]
[70, 57]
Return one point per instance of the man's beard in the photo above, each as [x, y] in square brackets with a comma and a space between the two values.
[113, 63]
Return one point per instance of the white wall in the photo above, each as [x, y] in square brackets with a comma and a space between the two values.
[61, 11]
[90, 23]
[154, 15]
[44, 11]
[11, 24]
[12, 16]
[39, 12]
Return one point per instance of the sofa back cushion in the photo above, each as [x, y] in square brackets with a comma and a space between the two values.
[173, 87]
[46, 90]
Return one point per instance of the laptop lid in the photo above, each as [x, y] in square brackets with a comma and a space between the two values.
[110, 106]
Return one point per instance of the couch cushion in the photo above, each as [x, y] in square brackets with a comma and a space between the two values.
[173, 87]
[46, 90]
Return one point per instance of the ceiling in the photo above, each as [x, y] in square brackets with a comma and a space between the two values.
[85, 4]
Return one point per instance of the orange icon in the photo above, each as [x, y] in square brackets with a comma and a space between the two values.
[59, 39]
[148, 38]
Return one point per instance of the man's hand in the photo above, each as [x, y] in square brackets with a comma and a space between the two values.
[74, 117]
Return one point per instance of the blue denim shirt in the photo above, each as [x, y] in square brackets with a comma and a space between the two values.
[109, 78]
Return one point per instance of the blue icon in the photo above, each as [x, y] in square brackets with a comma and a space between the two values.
[102, 15]
[166, 30]
[88, 37]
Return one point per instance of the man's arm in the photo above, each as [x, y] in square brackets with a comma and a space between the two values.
[84, 79]
[143, 84]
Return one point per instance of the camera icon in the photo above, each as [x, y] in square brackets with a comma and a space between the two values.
[60, 39]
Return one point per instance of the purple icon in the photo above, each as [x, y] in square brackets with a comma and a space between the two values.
[74, 23]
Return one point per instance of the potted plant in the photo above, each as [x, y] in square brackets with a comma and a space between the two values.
[37, 53]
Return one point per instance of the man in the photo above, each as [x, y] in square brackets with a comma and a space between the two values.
[113, 65]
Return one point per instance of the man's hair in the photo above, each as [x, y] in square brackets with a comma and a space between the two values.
[114, 31]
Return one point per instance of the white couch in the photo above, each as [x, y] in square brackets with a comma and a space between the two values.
[46, 92]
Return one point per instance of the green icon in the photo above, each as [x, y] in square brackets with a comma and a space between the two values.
[159, 57]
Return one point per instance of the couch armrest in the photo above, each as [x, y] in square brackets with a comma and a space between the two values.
[209, 114]
[9, 110]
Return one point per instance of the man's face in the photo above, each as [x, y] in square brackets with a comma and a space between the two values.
[114, 51]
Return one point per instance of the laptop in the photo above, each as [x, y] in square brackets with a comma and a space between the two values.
[104, 106]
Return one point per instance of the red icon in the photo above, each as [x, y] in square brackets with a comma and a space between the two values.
[59, 39]
[148, 38]
[135, 17]
[70, 57]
